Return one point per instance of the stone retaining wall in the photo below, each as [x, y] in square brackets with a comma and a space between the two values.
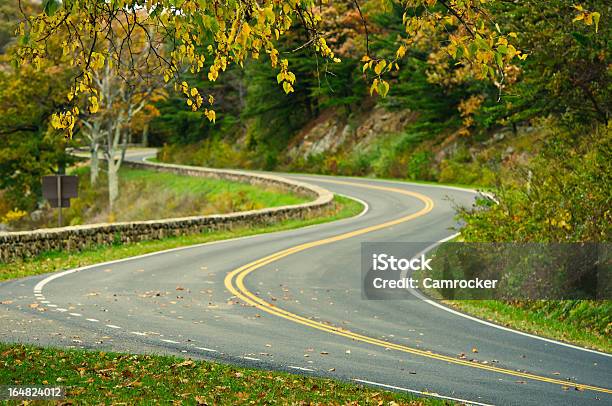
[23, 244]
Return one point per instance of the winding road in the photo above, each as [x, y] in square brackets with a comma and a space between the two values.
[291, 301]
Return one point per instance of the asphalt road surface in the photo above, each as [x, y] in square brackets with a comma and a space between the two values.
[291, 301]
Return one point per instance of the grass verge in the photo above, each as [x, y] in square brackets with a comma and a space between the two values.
[56, 260]
[111, 378]
[546, 319]
[213, 190]
[585, 323]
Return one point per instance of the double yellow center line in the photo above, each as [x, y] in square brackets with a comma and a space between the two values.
[234, 282]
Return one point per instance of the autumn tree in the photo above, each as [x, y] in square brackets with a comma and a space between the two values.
[120, 97]
[29, 147]
[244, 29]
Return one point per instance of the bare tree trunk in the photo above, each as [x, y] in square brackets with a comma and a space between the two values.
[113, 183]
[95, 164]
[145, 135]
[112, 148]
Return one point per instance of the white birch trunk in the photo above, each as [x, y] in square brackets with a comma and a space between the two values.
[94, 166]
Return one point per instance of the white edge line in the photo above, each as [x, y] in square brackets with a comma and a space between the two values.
[112, 326]
[93, 320]
[169, 341]
[300, 368]
[206, 349]
[251, 358]
[366, 207]
[138, 333]
[486, 323]
[435, 395]
[75, 314]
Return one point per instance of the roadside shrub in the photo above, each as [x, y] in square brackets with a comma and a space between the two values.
[419, 166]
[564, 195]
[471, 173]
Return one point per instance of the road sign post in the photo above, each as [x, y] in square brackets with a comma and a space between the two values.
[59, 200]
[59, 189]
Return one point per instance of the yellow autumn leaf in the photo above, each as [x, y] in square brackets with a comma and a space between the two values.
[93, 105]
[211, 115]
[380, 66]
[596, 18]
[401, 51]
[287, 87]
[383, 88]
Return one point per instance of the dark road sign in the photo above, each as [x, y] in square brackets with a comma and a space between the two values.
[64, 186]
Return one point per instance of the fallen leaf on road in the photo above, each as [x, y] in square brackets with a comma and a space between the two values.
[6, 302]
[33, 305]
[475, 350]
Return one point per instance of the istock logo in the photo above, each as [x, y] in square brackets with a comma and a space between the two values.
[386, 262]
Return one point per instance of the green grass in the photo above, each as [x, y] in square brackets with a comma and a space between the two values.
[211, 189]
[97, 377]
[56, 261]
[547, 319]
